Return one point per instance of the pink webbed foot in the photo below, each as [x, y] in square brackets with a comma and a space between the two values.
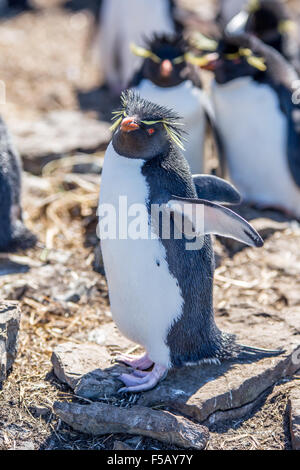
[142, 362]
[143, 381]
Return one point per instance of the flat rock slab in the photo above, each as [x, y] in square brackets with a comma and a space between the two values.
[9, 332]
[295, 417]
[59, 133]
[202, 391]
[100, 418]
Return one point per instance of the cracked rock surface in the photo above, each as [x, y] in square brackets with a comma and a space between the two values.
[9, 332]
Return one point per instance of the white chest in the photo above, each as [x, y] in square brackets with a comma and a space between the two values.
[254, 132]
[188, 101]
[144, 296]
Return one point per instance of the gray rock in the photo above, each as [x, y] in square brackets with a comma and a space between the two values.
[100, 418]
[59, 133]
[294, 407]
[9, 332]
[199, 391]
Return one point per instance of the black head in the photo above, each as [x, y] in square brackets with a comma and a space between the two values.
[143, 129]
[231, 61]
[269, 20]
[165, 63]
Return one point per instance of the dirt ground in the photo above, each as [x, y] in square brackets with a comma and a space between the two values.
[46, 63]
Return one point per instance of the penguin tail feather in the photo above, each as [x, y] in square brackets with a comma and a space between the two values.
[249, 352]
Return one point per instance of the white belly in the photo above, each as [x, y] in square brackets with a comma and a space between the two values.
[126, 21]
[187, 101]
[230, 8]
[145, 298]
[254, 132]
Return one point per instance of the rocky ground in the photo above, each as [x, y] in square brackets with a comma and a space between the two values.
[59, 118]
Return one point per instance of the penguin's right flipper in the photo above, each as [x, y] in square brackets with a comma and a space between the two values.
[215, 189]
[203, 217]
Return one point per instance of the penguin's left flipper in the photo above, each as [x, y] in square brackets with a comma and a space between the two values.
[215, 189]
[203, 217]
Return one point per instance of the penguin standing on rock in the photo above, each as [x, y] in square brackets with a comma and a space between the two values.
[122, 22]
[167, 78]
[13, 233]
[258, 120]
[160, 289]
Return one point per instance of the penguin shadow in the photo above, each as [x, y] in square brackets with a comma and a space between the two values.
[99, 100]
[265, 221]
[10, 266]
[189, 380]
[13, 9]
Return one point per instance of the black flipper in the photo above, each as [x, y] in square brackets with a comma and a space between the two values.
[203, 217]
[216, 189]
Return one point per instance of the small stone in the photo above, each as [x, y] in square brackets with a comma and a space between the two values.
[119, 445]
[9, 332]
[39, 410]
[27, 445]
[100, 418]
[294, 406]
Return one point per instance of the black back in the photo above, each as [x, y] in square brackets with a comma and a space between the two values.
[195, 336]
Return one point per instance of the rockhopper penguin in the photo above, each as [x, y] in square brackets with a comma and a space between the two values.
[160, 291]
[13, 233]
[167, 77]
[122, 22]
[258, 120]
[271, 22]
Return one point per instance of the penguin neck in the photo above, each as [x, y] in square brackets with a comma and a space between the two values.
[236, 83]
[148, 83]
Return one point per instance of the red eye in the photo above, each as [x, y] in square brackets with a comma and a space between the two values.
[151, 131]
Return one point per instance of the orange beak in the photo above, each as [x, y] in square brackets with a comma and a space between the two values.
[166, 68]
[212, 62]
[128, 125]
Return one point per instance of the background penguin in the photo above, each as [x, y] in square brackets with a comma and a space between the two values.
[258, 122]
[160, 292]
[270, 21]
[122, 22]
[13, 233]
[167, 78]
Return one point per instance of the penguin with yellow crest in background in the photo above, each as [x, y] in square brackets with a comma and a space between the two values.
[258, 119]
[271, 22]
[169, 78]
